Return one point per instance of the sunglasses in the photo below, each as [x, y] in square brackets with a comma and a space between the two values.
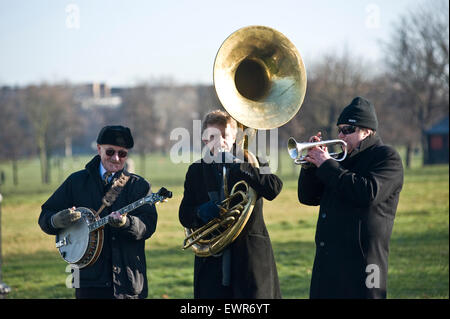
[346, 130]
[110, 152]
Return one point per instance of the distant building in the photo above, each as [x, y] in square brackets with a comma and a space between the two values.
[100, 105]
[97, 95]
[437, 138]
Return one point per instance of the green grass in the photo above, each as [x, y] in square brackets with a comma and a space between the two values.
[418, 261]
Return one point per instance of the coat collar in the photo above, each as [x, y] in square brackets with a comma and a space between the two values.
[93, 166]
[366, 143]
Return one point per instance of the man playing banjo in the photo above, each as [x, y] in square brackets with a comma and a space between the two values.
[120, 268]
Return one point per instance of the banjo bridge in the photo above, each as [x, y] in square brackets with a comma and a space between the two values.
[63, 242]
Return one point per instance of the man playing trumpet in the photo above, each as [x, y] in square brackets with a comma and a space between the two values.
[358, 200]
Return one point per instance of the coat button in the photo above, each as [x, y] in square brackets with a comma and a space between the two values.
[324, 215]
[322, 244]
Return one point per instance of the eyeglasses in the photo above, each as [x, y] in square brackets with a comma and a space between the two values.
[110, 152]
[346, 130]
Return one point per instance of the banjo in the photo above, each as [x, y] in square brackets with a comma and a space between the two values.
[81, 243]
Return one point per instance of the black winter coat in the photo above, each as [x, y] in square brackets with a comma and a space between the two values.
[358, 201]
[122, 263]
[253, 268]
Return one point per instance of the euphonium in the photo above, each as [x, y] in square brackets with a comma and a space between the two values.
[260, 79]
[297, 151]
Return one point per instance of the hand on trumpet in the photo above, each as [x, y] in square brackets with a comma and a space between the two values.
[317, 154]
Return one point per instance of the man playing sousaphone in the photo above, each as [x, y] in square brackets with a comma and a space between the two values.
[246, 267]
[120, 270]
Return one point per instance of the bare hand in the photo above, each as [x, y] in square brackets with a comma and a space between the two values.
[317, 154]
[316, 138]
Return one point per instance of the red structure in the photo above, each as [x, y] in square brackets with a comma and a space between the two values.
[437, 137]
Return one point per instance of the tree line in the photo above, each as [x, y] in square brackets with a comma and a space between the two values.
[409, 88]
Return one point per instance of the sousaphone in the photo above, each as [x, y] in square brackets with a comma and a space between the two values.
[260, 79]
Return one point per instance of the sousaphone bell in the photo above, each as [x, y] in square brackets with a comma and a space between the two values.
[259, 77]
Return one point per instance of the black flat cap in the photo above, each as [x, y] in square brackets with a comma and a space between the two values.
[116, 135]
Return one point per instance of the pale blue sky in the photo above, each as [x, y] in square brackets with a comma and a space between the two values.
[124, 42]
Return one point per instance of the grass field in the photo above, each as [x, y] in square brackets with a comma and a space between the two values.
[418, 261]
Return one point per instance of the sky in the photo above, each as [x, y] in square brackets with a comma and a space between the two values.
[122, 43]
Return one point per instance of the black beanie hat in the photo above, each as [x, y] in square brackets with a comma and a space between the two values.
[359, 112]
[116, 135]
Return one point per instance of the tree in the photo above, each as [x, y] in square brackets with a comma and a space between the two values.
[49, 110]
[140, 115]
[417, 57]
[14, 135]
[333, 81]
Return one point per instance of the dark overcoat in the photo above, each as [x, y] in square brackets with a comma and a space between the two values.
[253, 269]
[122, 263]
[358, 200]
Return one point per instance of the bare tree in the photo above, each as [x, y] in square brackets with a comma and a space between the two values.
[14, 134]
[394, 122]
[332, 83]
[207, 100]
[49, 110]
[140, 116]
[417, 57]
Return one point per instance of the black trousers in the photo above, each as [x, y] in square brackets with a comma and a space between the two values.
[94, 293]
[208, 282]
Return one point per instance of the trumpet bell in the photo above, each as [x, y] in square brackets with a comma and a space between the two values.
[292, 148]
[260, 78]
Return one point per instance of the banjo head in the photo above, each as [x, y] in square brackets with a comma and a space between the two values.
[73, 241]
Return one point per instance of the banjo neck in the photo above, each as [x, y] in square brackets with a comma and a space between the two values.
[150, 199]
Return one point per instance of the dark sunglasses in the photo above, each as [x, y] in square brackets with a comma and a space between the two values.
[110, 152]
[346, 130]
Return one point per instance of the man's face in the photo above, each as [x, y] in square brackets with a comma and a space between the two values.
[219, 138]
[352, 139]
[113, 157]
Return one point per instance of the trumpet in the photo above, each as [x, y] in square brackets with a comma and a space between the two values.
[297, 151]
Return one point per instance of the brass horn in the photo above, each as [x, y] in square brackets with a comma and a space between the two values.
[260, 79]
[297, 151]
[211, 238]
[214, 236]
